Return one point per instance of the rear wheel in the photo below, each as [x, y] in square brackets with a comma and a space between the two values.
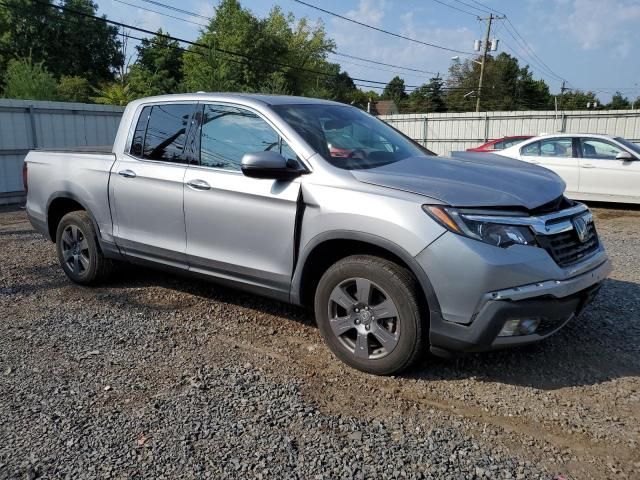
[368, 313]
[78, 249]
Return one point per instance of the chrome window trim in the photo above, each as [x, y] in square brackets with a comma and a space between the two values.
[539, 224]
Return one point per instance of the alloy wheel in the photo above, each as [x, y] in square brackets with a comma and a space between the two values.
[75, 249]
[364, 318]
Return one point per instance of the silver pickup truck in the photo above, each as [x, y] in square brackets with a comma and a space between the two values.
[320, 204]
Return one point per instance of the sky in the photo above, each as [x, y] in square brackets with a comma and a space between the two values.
[592, 44]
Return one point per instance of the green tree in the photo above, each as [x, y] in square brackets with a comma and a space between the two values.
[30, 81]
[429, 97]
[577, 100]
[341, 88]
[115, 93]
[305, 45]
[158, 68]
[272, 54]
[395, 90]
[234, 29]
[69, 44]
[619, 102]
[74, 89]
[506, 86]
[26, 31]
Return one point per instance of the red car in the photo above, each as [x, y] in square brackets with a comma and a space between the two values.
[500, 143]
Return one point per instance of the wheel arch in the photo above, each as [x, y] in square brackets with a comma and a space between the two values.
[327, 248]
[61, 203]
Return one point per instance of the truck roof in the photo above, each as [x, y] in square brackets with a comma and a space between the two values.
[242, 98]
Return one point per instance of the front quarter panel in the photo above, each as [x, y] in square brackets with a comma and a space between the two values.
[394, 216]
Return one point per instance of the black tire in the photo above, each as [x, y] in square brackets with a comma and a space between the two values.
[78, 250]
[401, 319]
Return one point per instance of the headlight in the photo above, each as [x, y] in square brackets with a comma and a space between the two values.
[493, 233]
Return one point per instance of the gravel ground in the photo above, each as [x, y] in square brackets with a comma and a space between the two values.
[162, 377]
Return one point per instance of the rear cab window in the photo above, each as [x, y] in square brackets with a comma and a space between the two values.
[162, 131]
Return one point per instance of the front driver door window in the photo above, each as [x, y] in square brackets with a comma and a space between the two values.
[601, 174]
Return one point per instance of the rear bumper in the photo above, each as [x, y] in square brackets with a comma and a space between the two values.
[555, 302]
[40, 225]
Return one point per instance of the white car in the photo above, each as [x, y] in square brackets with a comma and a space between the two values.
[594, 167]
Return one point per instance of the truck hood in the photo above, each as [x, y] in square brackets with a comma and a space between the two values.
[478, 180]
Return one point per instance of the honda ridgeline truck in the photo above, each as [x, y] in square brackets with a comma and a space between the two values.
[317, 203]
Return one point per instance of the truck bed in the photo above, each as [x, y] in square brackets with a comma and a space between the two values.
[78, 174]
[81, 149]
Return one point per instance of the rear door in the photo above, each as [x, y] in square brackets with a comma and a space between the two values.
[602, 174]
[239, 228]
[557, 154]
[147, 184]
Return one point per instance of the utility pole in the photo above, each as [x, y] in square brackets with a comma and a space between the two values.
[485, 51]
[562, 90]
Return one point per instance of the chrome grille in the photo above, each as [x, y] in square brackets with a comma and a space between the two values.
[567, 249]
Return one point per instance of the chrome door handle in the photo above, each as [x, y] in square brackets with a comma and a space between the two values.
[199, 184]
[588, 165]
[127, 173]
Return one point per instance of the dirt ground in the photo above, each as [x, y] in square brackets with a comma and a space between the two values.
[569, 406]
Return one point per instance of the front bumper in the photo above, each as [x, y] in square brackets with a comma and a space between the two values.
[476, 296]
[482, 334]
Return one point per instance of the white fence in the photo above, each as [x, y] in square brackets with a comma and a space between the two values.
[27, 124]
[447, 132]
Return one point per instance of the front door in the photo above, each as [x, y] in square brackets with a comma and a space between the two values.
[147, 186]
[602, 174]
[557, 154]
[239, 228]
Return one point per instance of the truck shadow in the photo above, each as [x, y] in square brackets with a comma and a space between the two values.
[599, 346]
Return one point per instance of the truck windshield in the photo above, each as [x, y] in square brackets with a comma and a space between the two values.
[347, 137]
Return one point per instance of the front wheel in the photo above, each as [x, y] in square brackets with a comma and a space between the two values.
[368, 312]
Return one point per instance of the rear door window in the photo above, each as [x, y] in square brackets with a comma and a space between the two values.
[167, 131]
[556, 147]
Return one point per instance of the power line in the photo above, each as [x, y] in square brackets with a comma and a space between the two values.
[483, 10]
[489, 9]
[455, 8]
[382, 69]
[334, 53]
[196, 44]
[161, 13]
[522, 43]
[382, 63]
[527, 47]
[176, 9]
[397, 35]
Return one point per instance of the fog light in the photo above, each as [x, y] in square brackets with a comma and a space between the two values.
[519, 326]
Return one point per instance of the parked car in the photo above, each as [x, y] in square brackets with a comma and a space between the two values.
[594, 167]
[397, 251]
[499, 144]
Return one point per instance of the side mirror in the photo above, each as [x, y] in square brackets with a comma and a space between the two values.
[625, 157]
[267, 164]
